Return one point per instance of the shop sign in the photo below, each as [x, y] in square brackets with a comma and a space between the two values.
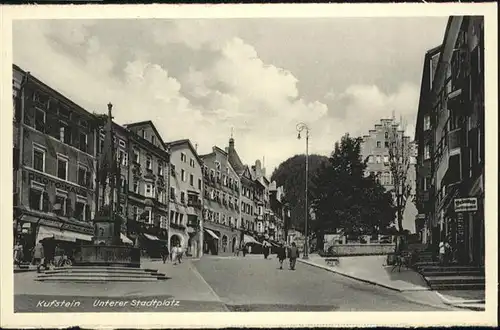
[460, 228]
[33, 176]
[67, 226]
[466, 204]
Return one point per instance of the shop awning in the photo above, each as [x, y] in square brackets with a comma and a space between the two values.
[250, 239]
[125, 239]
[61, 235]
[274, 243]
[151, 237]
[211, 233]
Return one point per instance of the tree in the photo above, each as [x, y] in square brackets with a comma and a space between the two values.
[291, 175]
[345, 199]
[401, 152]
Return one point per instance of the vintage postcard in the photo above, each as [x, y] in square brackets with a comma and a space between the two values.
[242, 165]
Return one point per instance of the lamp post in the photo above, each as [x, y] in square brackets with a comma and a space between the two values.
[300, 128]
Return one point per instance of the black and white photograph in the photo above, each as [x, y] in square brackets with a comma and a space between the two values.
[249, 163]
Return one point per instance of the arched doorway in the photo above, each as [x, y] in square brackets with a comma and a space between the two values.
[174, 241]
[224, 243]
[233, 245]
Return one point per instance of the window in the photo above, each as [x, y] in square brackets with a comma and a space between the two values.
[144, 134]
[35, 199]
[172, 193]
[183, 157]
[149, 216]
[217, 166]
[183, 197]
[65, 133]
[123, 184]
[136, 156]
[191, 179]
[427, 122]
[427, 152]
[160, 169]
[39, 120]
[199, 184]
[160, 196]
[379, 144]
[61, 202]
[123, 157]
[378, 159]
[172, 169]
[191, 162]
[62, 168]
[386, 144]
[136, 186]
[82, 143]
[149, 163]
[148, 190]
[163, 222]
[80, 208]
[122, 144]
[370, 159]
[183, 175]
[135, 212]
[153, 139]
[386, 135]
[38, 159]
[83, 176]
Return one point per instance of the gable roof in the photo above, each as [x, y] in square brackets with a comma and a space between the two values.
[186, 142]
[146, 123]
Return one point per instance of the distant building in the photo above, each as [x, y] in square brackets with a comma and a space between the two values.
[146, 159]
[375, 150]
[221, 203]
[54, 149]
[278, 213]
[456, 150]
[186, 197]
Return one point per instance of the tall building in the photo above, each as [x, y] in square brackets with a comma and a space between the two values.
[375, 149]
[456, 151]
[247, 201]
[277, 215]
[261, 199]
[424, 137]
[146, 160]
[221, 203]
[186, 197]
[55, 154]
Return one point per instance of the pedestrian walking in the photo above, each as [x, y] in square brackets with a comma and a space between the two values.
[444, 248]
[293, 254]
[244, 249]
[38, 255]
[281, 254]
[265, 249]
[180, 252]
[165, 253]
[174, 254]
[18, 254]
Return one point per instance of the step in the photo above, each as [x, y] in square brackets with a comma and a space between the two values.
[458, 286]
[450, 269]
[98, 270]
[96, 274]
[454, 279]
[453, 273]
[107, 267]
[96, 279]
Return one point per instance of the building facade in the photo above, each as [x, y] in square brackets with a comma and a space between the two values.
[186, 197]
[55, 154]
[424, 137]
[145, 184]
[375, 149]
[456, 151]
[277, 215]
[221, 213]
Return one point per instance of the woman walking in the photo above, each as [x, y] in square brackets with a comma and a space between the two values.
[281, 255]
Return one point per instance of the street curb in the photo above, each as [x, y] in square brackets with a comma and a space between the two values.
[361, 279]
[464, 304]
[197, 273]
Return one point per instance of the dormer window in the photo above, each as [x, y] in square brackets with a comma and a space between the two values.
[153, 139]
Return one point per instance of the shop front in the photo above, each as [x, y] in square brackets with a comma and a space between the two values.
[220, 239]
[57, 234]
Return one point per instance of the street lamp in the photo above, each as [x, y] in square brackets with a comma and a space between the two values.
[300, 128]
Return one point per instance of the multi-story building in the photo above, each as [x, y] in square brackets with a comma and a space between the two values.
[424, 138]
[375, 148]
[247, 191]
[456, 151]
[261, 199]
[186, 191]
[221, 203]
[55, 151]
[277, 215]
[146, 185]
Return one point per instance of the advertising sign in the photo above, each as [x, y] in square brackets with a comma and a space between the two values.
[466, 204]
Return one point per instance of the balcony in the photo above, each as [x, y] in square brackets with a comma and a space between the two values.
[196, 203]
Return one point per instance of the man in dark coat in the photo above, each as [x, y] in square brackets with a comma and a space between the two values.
[281, 255]
[293, 254]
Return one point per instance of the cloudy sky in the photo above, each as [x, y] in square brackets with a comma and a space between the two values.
[197, 79]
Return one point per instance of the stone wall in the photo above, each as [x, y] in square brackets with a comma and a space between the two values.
[362, 249]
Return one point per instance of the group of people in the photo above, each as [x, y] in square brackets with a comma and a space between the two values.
[175, 255]
[292, 252]
[445, 252]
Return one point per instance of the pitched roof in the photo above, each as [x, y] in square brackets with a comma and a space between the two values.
[148, 123]
[178, 143]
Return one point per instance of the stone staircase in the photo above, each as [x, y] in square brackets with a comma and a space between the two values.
[100, 274]
[452, 277]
